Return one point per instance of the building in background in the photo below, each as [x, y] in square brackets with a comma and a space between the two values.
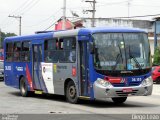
[147, 25]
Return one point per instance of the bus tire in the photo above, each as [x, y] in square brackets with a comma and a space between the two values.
[119, 100]
[71, 93]
[23, 87]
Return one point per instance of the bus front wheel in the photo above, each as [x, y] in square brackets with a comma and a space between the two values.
[23, 87]
[71, 92]
[119, 100]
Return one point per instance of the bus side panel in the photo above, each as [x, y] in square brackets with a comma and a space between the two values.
[12, 74]
[61, 72]
[8, 72]
[28, 74]
[19, 70]
[47, 78]
[14, 71]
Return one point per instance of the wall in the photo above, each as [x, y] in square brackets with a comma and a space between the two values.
[99, 22]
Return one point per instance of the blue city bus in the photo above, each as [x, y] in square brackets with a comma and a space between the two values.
[86, 63]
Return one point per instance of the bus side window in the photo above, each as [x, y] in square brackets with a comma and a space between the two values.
[74, 49]
[9, 51]
[17, 51]
[68, 47]
[71, 49]
[61, 54]
[55, 51]
[25, 56]
[51, 50]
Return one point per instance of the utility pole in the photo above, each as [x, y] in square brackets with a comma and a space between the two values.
[20, 22]
[64, 15]
[129, 3]
[0, 39]
[155, 34]
[92, 11]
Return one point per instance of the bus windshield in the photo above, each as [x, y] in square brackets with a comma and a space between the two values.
[121, 51]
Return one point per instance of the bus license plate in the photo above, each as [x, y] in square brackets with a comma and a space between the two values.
[127, 90]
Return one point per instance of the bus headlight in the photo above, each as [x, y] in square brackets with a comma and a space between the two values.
[103, 82]
[147, 82]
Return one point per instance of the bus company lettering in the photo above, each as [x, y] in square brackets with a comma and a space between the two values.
[136, 79]
[7, 67]
[19, 68]
[61, 67]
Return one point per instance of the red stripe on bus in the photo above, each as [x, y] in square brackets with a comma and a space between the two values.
[29, 78]
[113, 79]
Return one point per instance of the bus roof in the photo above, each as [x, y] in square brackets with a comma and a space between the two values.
[112, 29]
[81, 31]
[31, 37]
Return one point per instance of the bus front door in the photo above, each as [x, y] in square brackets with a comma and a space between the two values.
[83, 55]
[36, 61]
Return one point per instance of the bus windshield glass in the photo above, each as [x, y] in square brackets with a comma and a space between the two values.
[121, 51]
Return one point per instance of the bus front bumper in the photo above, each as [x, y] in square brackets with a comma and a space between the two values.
[101, 92]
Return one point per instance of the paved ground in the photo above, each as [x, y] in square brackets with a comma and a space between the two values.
[156, 89]
[12, 102]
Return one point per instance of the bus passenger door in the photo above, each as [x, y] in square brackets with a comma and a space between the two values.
[84, 58]
[36, 61]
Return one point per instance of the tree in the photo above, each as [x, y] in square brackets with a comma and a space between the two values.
[4, 35]
[156, 57]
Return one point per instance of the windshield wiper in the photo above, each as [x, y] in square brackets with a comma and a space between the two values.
[117, 58]
[134, 58]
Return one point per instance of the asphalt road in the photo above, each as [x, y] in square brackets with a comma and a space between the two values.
[12, 103]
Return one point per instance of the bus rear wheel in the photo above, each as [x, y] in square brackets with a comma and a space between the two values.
[23, 87]
[71, 92]
[119, 100]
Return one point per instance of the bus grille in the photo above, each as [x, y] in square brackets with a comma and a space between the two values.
[134, 83]
[118, 84]
[125, 85]
[121, 93]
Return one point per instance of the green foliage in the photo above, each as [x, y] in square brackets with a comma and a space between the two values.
[156, 57]
[4, 35]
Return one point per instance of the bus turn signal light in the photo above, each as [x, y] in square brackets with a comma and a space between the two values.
[73, 71]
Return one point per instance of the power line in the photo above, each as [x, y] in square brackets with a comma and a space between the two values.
[111, 3]
[145, 5]
[53, 15]
[151, 15]
[50, 26]
[21, 6]
[102, 4]
[29, 8]
[26, 7]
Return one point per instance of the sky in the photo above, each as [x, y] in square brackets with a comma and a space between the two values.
[38, 15]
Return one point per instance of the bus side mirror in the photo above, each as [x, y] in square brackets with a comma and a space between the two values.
[91, 48]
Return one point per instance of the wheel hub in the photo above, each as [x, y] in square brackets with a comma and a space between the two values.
[72, 91]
